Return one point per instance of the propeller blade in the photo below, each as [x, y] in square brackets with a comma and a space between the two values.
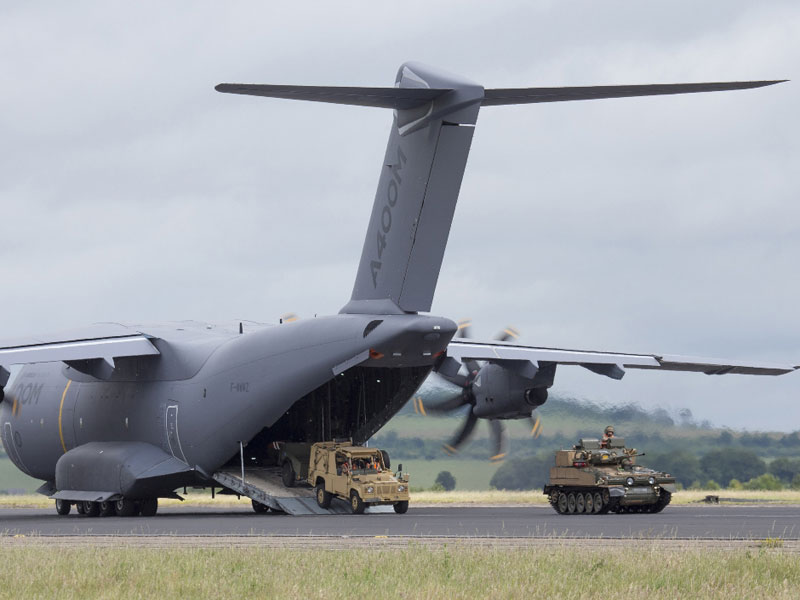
[466, 430]
[508, 333]
[443, 407]
[536, 427]
[499, 440]
[464, 328]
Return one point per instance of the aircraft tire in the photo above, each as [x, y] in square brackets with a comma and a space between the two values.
[401, 507]
[356, 503]
[79, 507]
[148, 507]
[107, 509]
[126, 508]
[63, 507]
[91, 509]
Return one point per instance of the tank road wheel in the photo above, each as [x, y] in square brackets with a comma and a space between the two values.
[588, 502]
[571, 503]
[580, 503]
[663, 499]
[562, 503]
[148, 507]
[259, 508]
[63, 507]
[126, 508]
[401, 507]
[553, 499]
[356, 503]
[323, 496]
[91, 509]
[597, 502]
[287, 474]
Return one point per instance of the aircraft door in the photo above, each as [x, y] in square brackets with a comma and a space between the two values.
[173, 438]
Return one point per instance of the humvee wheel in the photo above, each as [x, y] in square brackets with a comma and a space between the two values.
[323, 496]
[259, 508]
[401, 507]
[562, 503]
[571, 504]
[91, 509]
[287, 473]
[597, 502]
[126, 507]
[148, 507]
[588, 502]
[356, 503]
[63, 507]
[580, 503]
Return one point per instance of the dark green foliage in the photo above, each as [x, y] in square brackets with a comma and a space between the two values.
[526, 473]
[732, 463]
[683, 465]
[446, 480]
[785, 469]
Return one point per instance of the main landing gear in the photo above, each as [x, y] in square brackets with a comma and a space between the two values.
[123, 507]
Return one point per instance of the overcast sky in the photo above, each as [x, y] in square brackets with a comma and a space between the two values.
[131, 191]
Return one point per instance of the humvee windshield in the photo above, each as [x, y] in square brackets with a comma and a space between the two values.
[360, 464]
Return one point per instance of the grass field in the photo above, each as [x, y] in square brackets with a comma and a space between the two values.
[11, 478]
[412, 572]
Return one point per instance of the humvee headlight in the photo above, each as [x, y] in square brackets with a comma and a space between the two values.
[401, 488]
[652, 481]
[629, 481]
[370, 489]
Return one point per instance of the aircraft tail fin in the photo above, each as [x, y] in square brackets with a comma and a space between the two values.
[434, 118]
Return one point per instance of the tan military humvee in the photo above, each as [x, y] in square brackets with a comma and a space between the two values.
[357, 474]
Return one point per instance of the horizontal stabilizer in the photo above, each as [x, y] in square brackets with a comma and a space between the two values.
[382, 97]
[499, 97]
[408, 98]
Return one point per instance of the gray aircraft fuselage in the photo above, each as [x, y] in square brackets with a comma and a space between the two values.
[212, 388]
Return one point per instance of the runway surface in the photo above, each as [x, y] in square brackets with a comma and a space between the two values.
[679, 522]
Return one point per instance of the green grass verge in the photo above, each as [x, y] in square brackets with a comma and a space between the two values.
[414, 572]
[11, 478]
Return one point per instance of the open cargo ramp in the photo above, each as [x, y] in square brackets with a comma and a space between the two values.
[264, 485]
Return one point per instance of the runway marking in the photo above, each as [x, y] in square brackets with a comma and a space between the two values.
[60, 412]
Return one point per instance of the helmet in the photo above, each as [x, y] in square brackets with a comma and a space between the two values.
[609, 429]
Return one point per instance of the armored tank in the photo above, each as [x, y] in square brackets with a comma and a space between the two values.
[590, 479]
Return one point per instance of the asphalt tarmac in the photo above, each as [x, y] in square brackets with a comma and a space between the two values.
[740, 522]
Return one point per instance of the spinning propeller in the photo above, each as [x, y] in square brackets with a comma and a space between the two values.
[494, 391]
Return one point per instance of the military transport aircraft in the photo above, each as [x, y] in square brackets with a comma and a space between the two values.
[125, 414]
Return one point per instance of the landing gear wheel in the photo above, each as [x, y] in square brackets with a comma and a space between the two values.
[401, 507]
[580, 503]
[91, 509]
[597, 502]
[287, 474]
[63, 507]
[356, 503]
[107, 509]
[79, 508]
[588, 503]
[259, 508]
[323, 496]
[562, 503]
[571, 503]
[148, 507]
[126, 508]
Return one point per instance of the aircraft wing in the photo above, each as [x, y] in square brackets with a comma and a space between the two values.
[611, 364]
[105, 342]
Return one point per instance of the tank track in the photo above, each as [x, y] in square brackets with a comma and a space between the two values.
[566, 501]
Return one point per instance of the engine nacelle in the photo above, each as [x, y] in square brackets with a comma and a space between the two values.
[501, 394]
